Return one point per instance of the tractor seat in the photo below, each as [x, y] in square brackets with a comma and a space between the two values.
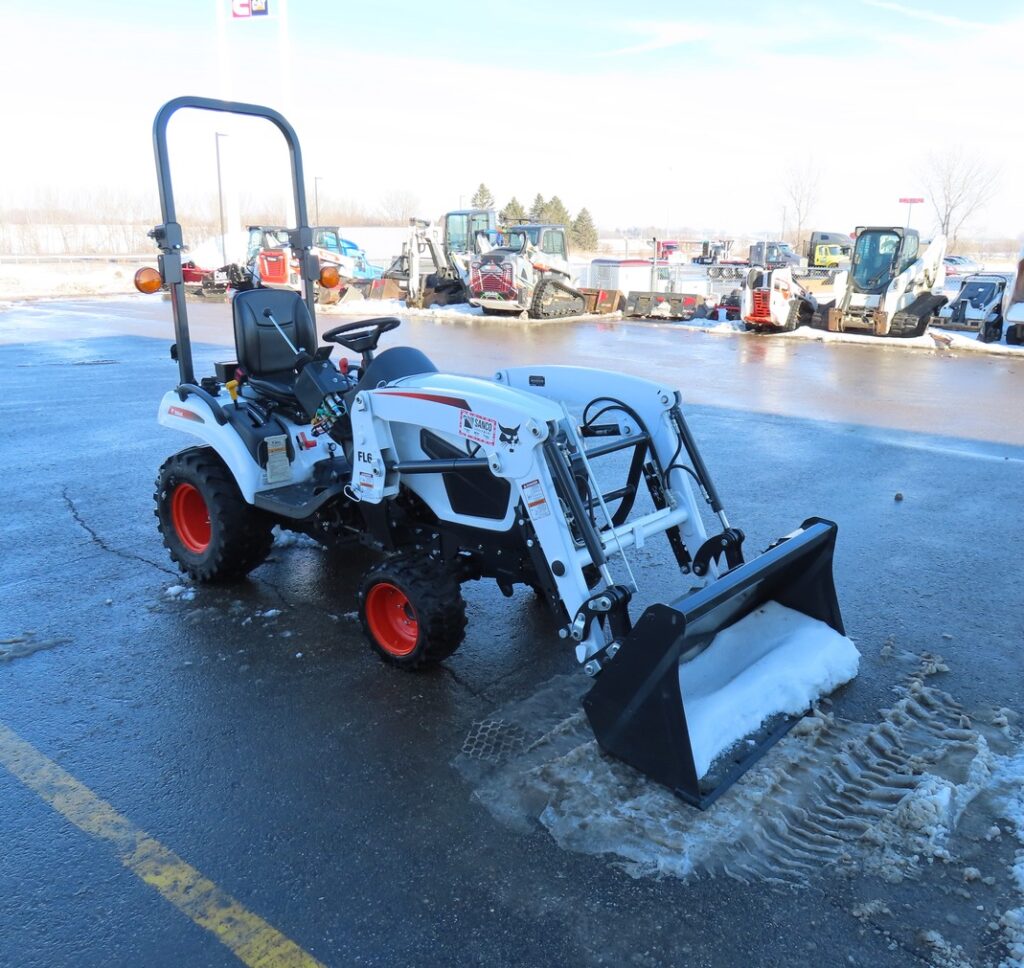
[263, 354]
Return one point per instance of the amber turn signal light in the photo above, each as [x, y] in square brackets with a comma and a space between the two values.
[329, 276]
[147, 280]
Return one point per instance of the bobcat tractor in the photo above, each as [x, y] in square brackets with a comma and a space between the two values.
[892, 287]
[527, 273]
[444, 479]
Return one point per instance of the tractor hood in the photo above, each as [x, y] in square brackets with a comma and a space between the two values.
[479, 395]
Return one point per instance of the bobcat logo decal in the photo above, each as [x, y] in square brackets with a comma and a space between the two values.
[509, 436]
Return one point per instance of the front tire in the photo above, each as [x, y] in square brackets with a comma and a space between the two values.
[208, 529]
[412, 611]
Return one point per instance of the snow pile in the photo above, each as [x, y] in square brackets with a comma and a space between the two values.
[933, 339]
[289, 539]
[180, 593]
[1012, 921]
[397, 307]
[775, 660]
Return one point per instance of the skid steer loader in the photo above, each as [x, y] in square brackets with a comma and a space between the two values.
[456, 478]
[527, 273]
[892, 288]
[774, 300]
[1014, 311]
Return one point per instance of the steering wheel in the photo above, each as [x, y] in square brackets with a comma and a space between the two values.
[362, 335]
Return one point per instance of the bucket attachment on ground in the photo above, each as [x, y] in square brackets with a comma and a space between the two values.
[667, 305]
[637, 708]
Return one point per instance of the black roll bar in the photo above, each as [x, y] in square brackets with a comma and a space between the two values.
[168, 235]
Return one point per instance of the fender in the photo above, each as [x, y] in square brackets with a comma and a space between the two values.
[193, 416]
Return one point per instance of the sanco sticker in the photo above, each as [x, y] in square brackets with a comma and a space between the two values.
[477, 427]
[536, 502]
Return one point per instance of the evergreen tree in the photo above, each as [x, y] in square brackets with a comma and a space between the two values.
[556, 213]
[512, 213]
[584, 232]
[482, 198]
[538, 209]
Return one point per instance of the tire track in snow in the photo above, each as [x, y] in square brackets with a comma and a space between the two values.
[883, 801]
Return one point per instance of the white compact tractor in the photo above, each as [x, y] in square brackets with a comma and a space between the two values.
[977, 307]
[892, 288]
[451, 478]
[527, 273]
[774, 300]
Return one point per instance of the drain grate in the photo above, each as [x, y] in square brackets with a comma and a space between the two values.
[493, 740]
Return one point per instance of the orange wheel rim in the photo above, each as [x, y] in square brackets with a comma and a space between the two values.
[191, 518]
[391, 619]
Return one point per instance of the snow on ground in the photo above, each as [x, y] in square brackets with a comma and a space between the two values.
[896, 808]
[293, 539]
[775, 660]
[933, 339]
[40, 280]
[1012, 921]
[396, 307]
[180, 593]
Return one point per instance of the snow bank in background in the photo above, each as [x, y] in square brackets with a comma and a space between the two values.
[397, 307]
[933, 339]
[776, 660]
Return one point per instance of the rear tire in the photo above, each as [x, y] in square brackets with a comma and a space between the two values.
[412, 611]
[210, 532]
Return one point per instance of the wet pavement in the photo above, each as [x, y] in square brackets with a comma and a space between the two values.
[277, 756]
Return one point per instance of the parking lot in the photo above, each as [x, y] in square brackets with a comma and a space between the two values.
[251, 736]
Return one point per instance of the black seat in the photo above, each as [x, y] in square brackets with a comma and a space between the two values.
[263, 354]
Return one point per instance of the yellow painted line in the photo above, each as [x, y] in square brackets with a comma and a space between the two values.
[254, 941]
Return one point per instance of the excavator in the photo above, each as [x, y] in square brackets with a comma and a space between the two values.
[892, 287]
[528, 273]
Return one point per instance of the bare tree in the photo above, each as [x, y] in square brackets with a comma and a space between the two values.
[958, 186]
[398, 206]
[801, 188]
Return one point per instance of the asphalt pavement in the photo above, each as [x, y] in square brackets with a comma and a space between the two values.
[251, 732]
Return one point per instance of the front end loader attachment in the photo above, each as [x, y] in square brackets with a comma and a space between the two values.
[637, 707]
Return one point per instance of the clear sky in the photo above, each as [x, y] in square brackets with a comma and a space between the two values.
[645, 112]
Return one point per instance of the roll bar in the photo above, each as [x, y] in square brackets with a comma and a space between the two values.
[168, 235]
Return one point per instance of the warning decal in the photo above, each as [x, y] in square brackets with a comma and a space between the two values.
[477, 427]
[536, 502]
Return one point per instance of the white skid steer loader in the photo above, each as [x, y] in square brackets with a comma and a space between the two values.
[1014, 311]
[892, 288]
[457, 478]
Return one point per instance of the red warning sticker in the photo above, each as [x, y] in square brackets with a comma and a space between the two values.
[477, 427]
[535, 501]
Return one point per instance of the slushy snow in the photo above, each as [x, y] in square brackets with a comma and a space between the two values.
[775, 660]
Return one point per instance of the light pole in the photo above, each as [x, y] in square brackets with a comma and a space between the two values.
[316, 196]
[220, 198]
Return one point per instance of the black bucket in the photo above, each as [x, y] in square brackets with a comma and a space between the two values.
[636, 707]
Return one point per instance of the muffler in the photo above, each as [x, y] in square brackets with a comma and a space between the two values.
[637, 707]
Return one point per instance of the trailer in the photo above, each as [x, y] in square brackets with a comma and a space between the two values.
[760, 255]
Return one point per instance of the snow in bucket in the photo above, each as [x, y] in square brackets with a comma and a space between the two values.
[774, 661]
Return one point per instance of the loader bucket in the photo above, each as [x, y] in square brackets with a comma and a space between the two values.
[636, 707]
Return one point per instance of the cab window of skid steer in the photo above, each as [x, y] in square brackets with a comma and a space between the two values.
[553, 244]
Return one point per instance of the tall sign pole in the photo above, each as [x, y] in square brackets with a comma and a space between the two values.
[910, 203]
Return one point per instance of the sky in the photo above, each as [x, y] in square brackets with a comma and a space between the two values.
[646, 113]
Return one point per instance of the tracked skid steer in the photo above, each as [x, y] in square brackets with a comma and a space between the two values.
[446, 478]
